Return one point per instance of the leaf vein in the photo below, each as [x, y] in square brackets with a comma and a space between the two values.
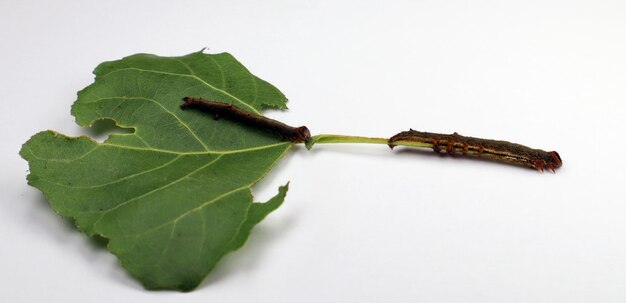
[30, 150]
[221, 69]
[155, 190]
[191, 132]
[118, 180]
[243, 103]
[175, 220]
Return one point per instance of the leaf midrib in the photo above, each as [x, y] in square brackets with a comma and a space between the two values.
[224, 152]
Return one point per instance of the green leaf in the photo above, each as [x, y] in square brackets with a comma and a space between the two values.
[174, 196]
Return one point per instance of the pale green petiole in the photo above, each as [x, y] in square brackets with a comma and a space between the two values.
[329, 138]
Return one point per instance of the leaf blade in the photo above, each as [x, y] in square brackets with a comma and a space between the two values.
[174, 196]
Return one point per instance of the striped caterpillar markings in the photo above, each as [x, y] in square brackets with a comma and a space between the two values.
[505, 151]
[234, 113]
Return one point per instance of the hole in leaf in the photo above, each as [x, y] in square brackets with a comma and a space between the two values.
[101, 129]
[99, 241]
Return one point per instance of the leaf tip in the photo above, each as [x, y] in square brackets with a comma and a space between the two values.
[284, 188]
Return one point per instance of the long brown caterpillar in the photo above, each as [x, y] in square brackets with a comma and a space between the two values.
[498, 150]
[232, 112]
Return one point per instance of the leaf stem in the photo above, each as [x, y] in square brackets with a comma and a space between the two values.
[330, 139]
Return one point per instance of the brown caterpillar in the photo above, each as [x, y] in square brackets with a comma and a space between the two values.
[232, 112]
[505, 151]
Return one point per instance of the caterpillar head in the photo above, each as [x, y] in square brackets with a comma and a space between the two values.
[304, 133]
[555, 160]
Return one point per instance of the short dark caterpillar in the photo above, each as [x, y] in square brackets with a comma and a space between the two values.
[505, 151]
[232, 112]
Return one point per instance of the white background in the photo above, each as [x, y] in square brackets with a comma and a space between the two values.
[360, 223]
